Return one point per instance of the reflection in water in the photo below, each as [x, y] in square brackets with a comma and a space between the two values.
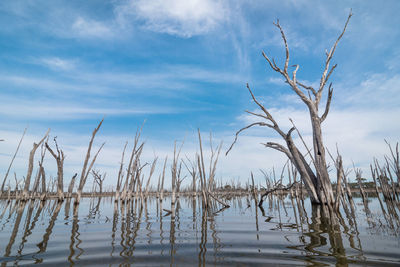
[20, 211]
[74, 239]
[139, 231]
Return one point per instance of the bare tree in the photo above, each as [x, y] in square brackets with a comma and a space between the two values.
[134, 169]
[25, 194]
[175, 172]
[120, 174]
[152, 169]
[86, 169]
[192, 169]
[317, 181]
[71, 185]
[59, 157]
[207, 181]
[12, 160]
[162, 177]
[99, 179]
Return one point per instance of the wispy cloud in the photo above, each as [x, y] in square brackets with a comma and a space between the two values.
[175, 17]
[379, 90]
[90, 28]
[57, 63]
[44, 110]
[86, 79]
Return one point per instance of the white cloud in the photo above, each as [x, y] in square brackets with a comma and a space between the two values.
[91, 28]
[56, 63]
[183, 18]
[61, 110]
[87, 80]
[276, 81]
[359, 133]
[379, 90]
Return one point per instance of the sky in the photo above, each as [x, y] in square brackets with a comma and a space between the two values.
[180, 65]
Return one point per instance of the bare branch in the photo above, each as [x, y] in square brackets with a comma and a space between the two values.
[325, 77]
[294, 73]
[286, 46]
[256, 114]
[328, 103]
[245, 128]
[278, 147]
[271, 64]
[310, 88]
[268, 115]
[279, 187]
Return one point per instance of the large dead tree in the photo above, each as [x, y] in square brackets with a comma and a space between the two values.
[316, 177]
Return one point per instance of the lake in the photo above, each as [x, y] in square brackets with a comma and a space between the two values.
[98, 233]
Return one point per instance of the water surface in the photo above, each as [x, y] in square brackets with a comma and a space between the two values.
[99, 233]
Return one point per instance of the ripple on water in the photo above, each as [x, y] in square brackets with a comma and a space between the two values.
[240, 235]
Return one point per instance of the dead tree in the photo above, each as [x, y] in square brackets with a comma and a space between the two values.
[162, 177]
[59, 157]
[86, 170]
[207, 181]
[317, 182]
[40, 172]
[99, 179]
[134, 169]
[25, 193]
[43, 175]
[71, 185]
[120, 175]
[152, 169]
[175, 173]
[393, 162]
[12, 160]
[192, 169]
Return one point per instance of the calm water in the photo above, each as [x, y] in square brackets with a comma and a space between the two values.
[98, 234]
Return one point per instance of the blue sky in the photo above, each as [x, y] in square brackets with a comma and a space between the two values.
[183, 65]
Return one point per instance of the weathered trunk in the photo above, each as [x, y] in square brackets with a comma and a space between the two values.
[59, 157]
[85, 168]
[60, 183]
[25, 193]
[323, 184]
[71, 185]
[44, 192]
[120, 175]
